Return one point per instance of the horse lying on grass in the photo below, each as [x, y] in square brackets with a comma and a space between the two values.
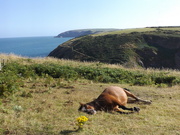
[112, 99]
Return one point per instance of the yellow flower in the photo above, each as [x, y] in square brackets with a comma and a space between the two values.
[81, 120]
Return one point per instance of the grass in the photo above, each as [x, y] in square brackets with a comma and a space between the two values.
[127, 31]
[148, 29]
[53, 110]
[46, 105]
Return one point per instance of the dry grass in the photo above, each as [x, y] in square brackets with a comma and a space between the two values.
[53, 110]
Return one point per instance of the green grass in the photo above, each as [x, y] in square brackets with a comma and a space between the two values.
[46, 105]
[148, 29]
[171, 28]
[126, 31]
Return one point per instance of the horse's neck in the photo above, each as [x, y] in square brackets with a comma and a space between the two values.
[95, 104]
[92, 103]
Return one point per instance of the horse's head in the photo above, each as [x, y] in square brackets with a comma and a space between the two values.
[87, 109]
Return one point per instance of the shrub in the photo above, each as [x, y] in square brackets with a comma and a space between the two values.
[13, 74]
[55, 70]
[142, 80]
[9, 83]
[19, 69]
[165, 79]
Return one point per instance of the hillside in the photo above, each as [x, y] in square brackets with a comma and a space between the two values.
[83, 32]
[146, 47]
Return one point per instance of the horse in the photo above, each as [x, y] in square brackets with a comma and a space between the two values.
[112, 99]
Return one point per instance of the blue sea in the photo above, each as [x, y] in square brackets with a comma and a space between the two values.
[30, 46]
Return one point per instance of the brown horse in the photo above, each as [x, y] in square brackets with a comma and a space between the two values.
[112, 99]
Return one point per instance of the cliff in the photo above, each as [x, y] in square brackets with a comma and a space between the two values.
[152, 47]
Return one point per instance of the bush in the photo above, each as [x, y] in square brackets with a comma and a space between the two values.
[13, 74]
[55, 70]
[165, 79]
[9, 83]
[19, 69]
[105, 75]
[142, 80]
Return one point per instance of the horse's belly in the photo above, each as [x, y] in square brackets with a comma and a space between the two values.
[118, 93]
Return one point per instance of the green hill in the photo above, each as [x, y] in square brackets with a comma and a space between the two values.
[83, 32]
[157, 47]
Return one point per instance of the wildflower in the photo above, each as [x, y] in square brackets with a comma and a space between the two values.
[81, 121]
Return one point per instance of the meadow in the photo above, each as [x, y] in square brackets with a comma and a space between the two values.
[147, 29]
[38, 98]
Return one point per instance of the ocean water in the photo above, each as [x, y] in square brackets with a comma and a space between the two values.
[30, 46]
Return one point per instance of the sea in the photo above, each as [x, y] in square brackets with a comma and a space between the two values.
[30, 46]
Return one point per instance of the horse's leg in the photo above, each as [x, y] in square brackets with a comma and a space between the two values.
[137, 99]
[135, 109]
[118, 103]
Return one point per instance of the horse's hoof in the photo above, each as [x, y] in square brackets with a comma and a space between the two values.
[136, 109]
[149, 102]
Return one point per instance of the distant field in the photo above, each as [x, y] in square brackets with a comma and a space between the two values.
[138, 30]
[171, 28]
[46, 105]
[127, 31]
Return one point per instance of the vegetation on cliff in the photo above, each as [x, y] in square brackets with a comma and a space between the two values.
[146, 47]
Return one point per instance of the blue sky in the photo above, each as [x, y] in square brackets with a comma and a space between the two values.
[24, 18]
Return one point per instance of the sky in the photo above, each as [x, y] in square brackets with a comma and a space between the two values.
[28, 18]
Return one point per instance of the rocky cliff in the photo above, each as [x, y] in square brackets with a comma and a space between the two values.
[156, 48]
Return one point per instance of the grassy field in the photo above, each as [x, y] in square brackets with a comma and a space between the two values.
[148, 29]
[127, 31]
[48, 106]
